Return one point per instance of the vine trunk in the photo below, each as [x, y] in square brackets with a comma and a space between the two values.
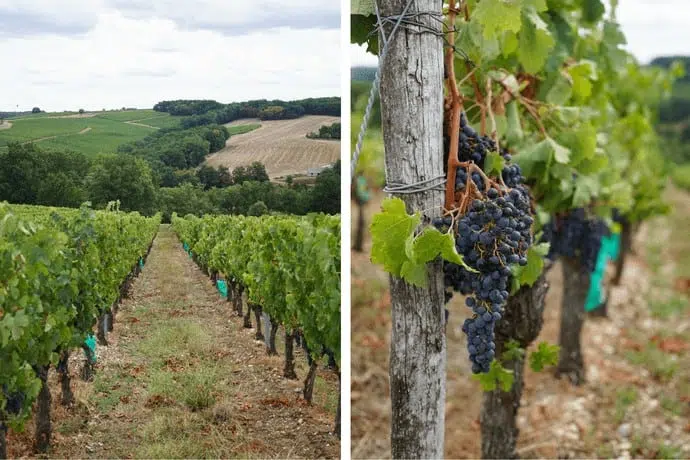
[522, 322]
[575, 288]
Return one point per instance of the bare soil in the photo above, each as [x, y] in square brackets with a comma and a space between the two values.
[181, 378]
[281, 145]
[635, 403]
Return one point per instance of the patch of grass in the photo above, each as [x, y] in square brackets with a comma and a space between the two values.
[179, 336]
[70, 425]
[195, 387]
[169, 424]
[660, 364]
[672, 405]
[199, 388]
[107, 395]
[170, 434]
[605, 451]
[242, 129]
[173, 448]
[669, 451]
[323, 397]
[672, 306]
[625, 397]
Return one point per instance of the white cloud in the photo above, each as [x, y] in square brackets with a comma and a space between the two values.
[233, 17]
[655, 28]
[117, 59]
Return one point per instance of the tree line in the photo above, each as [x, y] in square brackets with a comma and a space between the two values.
[326, 132]
[29, 175]
[207, 112]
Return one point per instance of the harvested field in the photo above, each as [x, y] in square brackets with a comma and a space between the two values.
[281, 145]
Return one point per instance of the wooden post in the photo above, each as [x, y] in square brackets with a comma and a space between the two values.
[412, 121]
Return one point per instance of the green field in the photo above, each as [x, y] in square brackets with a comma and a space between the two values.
[242, 129]
[43, 115]
[130, 115]
[162, 121]
[102, 133]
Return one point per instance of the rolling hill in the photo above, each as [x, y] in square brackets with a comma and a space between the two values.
[89, 133]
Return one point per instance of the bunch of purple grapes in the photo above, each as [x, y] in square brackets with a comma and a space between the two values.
[576, 235]
[492, 235]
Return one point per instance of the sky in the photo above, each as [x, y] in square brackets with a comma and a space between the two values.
[94, 54]
[652, 27]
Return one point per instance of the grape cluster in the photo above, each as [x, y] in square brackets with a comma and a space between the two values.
[14, 401]
[577, 236]
[492, 235]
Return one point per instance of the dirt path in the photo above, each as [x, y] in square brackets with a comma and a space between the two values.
[181, 378]
[281, 145]
[142, 124]
[43, 139]
[85, 130]
[635, 403]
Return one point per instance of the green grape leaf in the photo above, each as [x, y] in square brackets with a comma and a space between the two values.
[560, 153]
[510, 43]
[391, 231]
[560, 91]
[582, 74]
[530, 273]
[498, 376]
[360, 32]
[582, 141]
[586, 188]
[535, 159]
[535, 41]
[493, 164]
[401, 252]
[513, 351]
[498, 16]
[545, 355]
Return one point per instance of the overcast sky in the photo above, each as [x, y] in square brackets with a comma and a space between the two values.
[94, 54]
[652, 27]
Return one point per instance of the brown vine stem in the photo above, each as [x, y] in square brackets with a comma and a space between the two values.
[494, 131]
[472, 167]
[456, 105]
[526, 102]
